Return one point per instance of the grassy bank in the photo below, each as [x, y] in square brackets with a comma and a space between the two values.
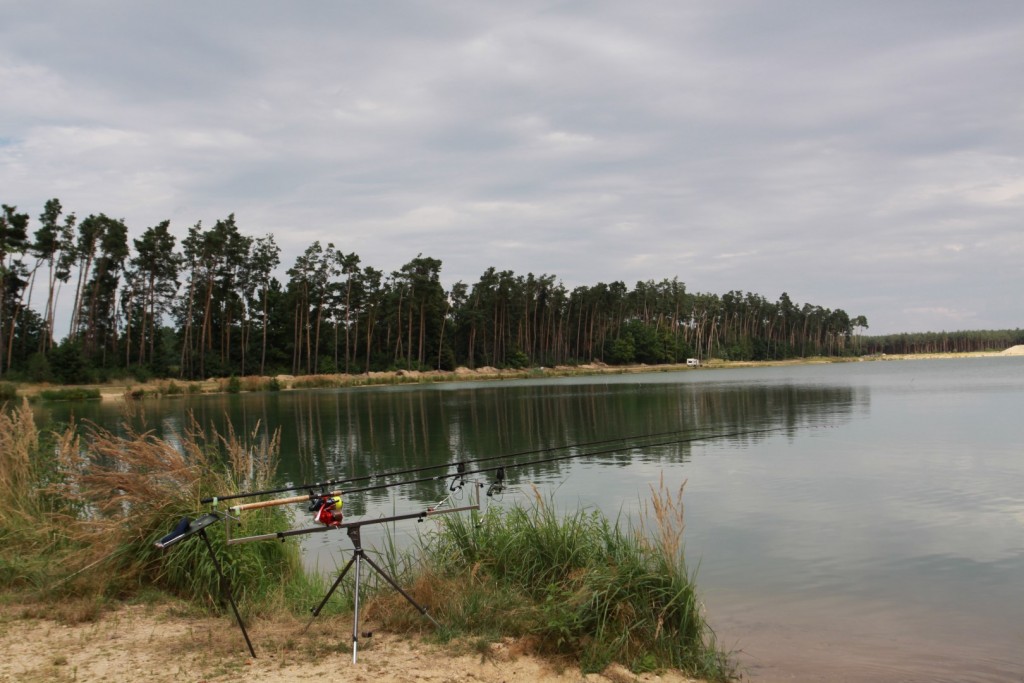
[577, 585]
[80, 511]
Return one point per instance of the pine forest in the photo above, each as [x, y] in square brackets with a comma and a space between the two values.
[212, 306]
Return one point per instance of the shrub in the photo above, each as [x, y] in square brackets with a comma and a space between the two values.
[67, 363]
[141, 373]
[39, 368]
[172, 388]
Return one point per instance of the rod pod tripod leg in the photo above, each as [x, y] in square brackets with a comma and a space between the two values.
[358, 556]
[225, 582]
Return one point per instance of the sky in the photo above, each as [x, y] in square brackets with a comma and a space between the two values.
[862, 155]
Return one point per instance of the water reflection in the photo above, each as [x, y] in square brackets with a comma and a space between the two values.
[861, 522]
[351, 433]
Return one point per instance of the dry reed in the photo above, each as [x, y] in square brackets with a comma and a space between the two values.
[19, 440]
[92, 499]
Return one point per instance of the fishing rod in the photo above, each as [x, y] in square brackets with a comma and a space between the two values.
[327, 509]
[499, 470]
[323, 485]
[282, 535]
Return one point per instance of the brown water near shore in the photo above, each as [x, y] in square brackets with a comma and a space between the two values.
[792, 642]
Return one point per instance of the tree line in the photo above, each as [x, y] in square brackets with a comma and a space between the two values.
[943, 342]
[213, 306]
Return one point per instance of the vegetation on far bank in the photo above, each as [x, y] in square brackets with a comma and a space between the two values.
[80, 511]
[131, 389]
[211, 305]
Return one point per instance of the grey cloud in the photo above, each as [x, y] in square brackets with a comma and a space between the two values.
[865, 156]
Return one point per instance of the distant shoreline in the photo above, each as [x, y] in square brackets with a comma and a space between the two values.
[125, 389]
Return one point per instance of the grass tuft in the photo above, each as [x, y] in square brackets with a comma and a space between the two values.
[575, 586]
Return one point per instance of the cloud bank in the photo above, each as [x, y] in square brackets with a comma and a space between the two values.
[866, 156]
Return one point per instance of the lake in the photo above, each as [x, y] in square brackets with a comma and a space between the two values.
[847, 522]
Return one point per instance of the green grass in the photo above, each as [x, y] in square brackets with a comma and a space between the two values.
[576, 586]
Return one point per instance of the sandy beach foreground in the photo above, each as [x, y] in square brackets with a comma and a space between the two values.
[167, 642]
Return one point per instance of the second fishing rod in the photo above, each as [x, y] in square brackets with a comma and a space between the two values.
[499, 470]
[323, 485]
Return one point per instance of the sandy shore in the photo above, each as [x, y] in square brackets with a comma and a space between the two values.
[120, 389]
[164, 643]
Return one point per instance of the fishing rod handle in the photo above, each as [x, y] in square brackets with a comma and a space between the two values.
[279, 501]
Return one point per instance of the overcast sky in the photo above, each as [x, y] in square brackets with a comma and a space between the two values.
[861, 155]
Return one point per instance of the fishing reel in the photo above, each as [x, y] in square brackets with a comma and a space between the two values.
[326, 508]
[498, 485]
[459, 479]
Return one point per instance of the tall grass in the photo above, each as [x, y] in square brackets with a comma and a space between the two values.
[80, 514]
[575, 585]
[20, 506]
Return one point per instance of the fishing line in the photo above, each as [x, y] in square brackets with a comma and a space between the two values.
[501, 468]
[426, 468]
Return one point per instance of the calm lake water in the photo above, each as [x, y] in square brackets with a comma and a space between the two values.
[849, 522]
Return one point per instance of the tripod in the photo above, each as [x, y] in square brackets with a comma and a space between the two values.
[358, 557]
[188, 528]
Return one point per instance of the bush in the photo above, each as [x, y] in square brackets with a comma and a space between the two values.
[141, 373]
[8, 392]
[518, 360]
[68, 364]
[39, 368]
[172, 388]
